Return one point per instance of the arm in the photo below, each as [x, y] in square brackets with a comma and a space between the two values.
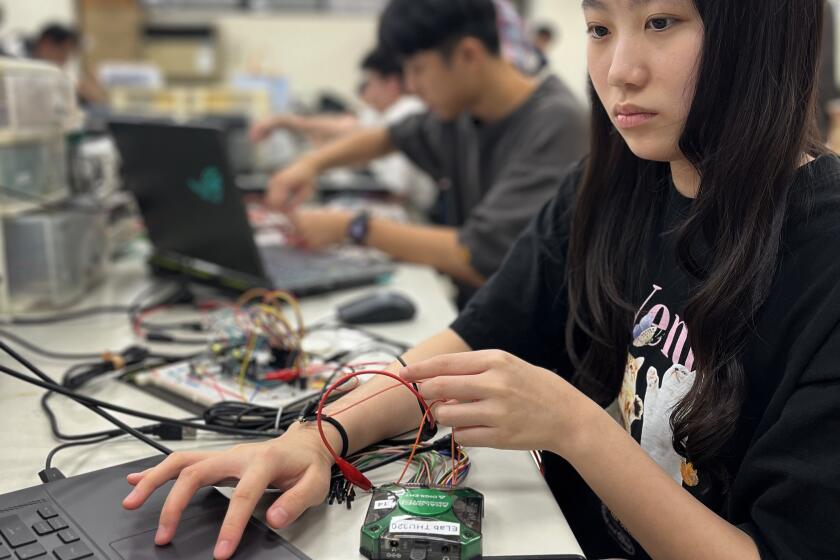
[435, 246]
[297, 461]
[498, 400]
[90, 89]
[394, 412]
[354, 149]
[328, 126]
[664, 517]
[290, 187]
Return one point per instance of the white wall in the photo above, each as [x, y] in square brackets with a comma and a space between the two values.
[568, 54]
[316, 51]
[29, 16]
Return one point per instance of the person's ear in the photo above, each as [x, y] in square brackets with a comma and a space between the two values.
[469, 52]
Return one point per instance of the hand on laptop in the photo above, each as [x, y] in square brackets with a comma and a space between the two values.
[261, 129]
[317, 229]
[288, 188]
[297, 463]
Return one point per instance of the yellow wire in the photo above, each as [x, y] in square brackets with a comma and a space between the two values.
[249, 295]
[252, 342]
[293, 303]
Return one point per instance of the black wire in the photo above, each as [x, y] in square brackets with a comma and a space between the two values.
[44, 352]
[71, 315]
[95, 403]
[389, 460]
[236, 414]
[50, 384]
[135, 305]
[80, 356]
[75, 382]
[55, 450]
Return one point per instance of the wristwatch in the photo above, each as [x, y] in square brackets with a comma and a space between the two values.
[357, 230]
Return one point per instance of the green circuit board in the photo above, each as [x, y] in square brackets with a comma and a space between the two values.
[407, 522]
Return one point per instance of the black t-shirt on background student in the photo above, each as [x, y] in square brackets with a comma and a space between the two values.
[784, 460]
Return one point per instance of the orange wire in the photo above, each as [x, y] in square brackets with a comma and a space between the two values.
[376, 394]
[452, 451]
[331, 388]
[416, 443]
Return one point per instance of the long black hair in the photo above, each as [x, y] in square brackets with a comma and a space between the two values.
[751, 120]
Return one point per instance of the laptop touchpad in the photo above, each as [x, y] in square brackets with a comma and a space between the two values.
[196, 538]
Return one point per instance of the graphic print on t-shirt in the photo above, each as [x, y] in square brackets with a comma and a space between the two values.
[657, 376]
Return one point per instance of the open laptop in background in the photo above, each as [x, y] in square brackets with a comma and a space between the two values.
[197, 222]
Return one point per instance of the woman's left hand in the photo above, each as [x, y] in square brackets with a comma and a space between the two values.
[494, 399]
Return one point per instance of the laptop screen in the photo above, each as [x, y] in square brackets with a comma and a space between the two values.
[190, 204]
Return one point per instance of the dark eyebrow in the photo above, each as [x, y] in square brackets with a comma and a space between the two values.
[599, 5]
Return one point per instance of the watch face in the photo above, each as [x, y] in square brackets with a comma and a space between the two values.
[358, 228]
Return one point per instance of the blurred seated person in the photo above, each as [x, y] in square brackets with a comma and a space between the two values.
[386, 102]
[59, 45]
[543, 39]
[497, 142]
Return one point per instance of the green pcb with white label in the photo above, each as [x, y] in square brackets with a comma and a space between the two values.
[412, 522]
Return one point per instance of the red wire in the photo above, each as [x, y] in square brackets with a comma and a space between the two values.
[350, 472]
[376, 394]
[138, 320]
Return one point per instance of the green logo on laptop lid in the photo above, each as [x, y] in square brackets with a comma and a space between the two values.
[209, 187]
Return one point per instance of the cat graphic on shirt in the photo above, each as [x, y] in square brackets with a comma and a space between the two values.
[661, 329]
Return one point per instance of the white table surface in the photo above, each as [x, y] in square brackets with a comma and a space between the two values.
[521, 516]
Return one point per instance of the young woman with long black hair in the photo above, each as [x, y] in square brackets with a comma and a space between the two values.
[667, 329]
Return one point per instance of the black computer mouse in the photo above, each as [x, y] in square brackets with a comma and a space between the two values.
[377, 307]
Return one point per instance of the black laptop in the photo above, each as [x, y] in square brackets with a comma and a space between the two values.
[197, 223]
[82, 518]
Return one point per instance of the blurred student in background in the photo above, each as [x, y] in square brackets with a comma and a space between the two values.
[59, 45]
[544, 37]
[383, 91]
[495, 140]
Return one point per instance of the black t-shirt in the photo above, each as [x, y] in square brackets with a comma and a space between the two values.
[783, 463]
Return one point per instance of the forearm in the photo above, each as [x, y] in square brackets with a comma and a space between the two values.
[90, 90]
[434, 246]
[665, 518]
[395, 411]
[353, 149]
[324, 126]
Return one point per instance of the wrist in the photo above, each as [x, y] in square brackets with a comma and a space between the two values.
[310, 163]
[357, 227]
[309, 430]
[282, 121]
[591, 423]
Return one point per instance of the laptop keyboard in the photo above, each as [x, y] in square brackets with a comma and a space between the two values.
[39, 532]
[298, 268]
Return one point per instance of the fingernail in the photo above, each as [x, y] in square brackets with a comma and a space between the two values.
[130, 496]
[222, 549]
[278, 516]
[403, 371]
[161, 534]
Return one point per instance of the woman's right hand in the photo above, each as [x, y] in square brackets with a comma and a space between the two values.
[296, 462]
